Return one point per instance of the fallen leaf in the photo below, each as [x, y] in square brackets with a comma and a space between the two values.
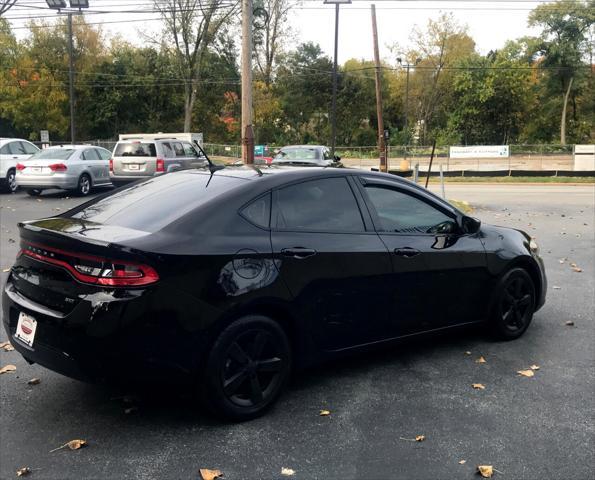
[34, 381]
[287, 471]
[462, 462]
[467, 353]
[480, 360]
[6, 346]
[534, 367]
[486, 471]
[21, 472]
[7, 368]
[324, 413]
[555, 287]
[577, 269]
[207, 474]
[572, 264]
[420, 438]
[5, 270]
[11, 240]
[73, 445]
[569, 323]
[478, 386]
[526, 373]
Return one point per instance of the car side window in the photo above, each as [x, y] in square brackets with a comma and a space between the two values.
[324, 205]
[326, 154]
[90, 154]
[258, 211]
[189, 150]
[29, 148]
[402, 212]
[178, 149]
[103, 154]
[18, 148]
[5, 150]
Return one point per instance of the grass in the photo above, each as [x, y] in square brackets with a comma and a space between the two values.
[513, 179]
[461, 205]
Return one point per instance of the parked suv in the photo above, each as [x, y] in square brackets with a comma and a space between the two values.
[143, 156]
[13, 151]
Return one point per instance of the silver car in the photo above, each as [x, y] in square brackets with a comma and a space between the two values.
[69, 167]
[316, 155]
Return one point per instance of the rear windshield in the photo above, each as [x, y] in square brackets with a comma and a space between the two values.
[135, 149]
[151, 205]
[53, 154]
[298, 154]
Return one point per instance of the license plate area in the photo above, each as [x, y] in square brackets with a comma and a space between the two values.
[26, 328]
[133, 166]
[36, 169]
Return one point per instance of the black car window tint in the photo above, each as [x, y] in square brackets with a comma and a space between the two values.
[258, 211]
[325, 205]
[404, 213]
[135, 149]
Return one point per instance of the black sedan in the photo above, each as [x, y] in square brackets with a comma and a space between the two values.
[233, 278]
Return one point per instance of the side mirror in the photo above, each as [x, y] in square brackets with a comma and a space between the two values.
[470, 225]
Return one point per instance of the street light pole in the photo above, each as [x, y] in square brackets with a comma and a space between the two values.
[334, 94]
[247, 129]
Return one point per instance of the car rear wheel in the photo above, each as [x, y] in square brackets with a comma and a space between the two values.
[513, 305]
[247, 368]
[11, 181]
[84, 186]
[34, 192]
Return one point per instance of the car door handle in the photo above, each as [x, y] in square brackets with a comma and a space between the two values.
[406, 252]
[298, 252]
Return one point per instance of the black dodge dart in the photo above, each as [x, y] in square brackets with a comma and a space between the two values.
[233, 278]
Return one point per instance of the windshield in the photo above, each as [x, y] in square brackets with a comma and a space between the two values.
[53, 154]
[135, 149]
[298, 154]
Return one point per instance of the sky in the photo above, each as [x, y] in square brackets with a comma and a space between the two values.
[490, 23]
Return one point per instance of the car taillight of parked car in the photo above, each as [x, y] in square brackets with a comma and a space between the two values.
[20, 167]
[94, 270]
[160, 165]
[58, 167]
[111, 164]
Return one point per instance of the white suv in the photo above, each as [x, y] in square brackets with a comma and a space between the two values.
[147, 156]
[13, 151]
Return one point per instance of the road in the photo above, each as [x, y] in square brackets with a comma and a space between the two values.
[541, 427]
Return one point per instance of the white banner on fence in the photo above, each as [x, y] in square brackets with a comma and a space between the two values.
[480, 151]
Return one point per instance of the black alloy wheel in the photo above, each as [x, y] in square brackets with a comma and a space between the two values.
[513, 311]
[247, 368]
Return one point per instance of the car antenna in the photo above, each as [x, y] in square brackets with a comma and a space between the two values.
[212, 167]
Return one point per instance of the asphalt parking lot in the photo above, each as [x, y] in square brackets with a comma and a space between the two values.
[541, 427]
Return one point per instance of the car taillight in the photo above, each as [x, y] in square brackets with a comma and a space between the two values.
[20, 167]
[111, 164]
[160, 165]
[58, 167]
[94, 270]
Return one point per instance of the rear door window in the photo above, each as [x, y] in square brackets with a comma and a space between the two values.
[168, 151]
[90, 154]
[103, 154]
[178, 149]
[324, 205]
[29, 148]
[135, 149]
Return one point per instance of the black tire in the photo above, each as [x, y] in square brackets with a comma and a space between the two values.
[513, 305]
[246, 369]
[34, 192]
[11, 182]
[84, 185]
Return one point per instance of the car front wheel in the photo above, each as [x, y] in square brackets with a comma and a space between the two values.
[247, 368]
[513, 305]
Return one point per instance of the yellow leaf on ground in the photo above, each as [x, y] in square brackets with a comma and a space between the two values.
[577, 269]
[526, 373]
[7, 368]
[6, 346]
[420, 438]
[486, 471]
[76, 444]
[207, 474]
[34, 381]
[478, 386]
[480, 360]
[287, 472]
[21, 472]
[462, 462]
[6, 270]
[324, 413]
[534, 367]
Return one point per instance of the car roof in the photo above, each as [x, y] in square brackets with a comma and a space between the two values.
[303, 146]
[72, 147]
[4, 140]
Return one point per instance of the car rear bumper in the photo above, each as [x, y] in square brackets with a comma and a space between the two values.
[56, 180]
[106, 336]
[119, 179]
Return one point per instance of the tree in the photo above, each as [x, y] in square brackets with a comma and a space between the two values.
[563, 47]
[6, 5]
[271, 32]
[192, 27]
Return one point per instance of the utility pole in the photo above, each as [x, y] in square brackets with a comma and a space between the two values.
[247, 129]
[381, 147]
[71, 77]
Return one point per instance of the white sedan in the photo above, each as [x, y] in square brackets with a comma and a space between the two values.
[13, 151]
[69, 167]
